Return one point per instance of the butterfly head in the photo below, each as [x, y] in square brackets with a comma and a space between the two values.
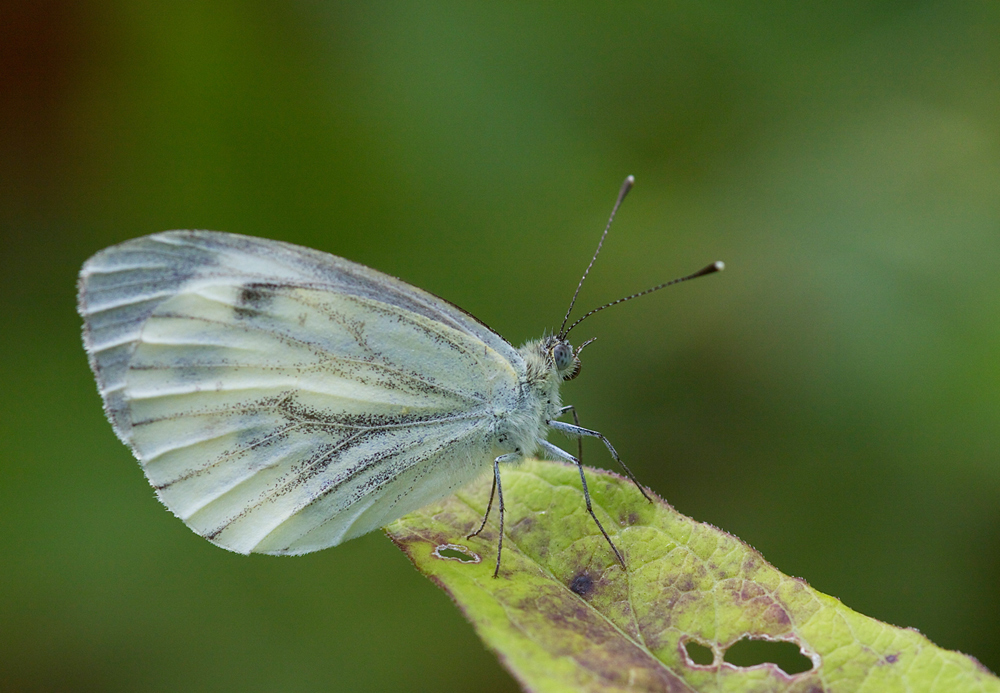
[563, 357]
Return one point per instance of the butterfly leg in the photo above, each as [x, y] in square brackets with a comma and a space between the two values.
[577, 431]
[509, 457]
[559, 452]
[489, 506]
[576, 420]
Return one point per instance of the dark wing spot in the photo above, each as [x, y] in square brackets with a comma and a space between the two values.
[254, 298]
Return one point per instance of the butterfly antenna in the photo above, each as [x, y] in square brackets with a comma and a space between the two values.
[711, 269]
[626, 186]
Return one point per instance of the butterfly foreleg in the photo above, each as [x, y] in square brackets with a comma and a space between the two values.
[577, 431]
[576, 420]
[559, 452]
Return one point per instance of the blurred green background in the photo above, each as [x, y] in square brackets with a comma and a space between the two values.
[833, 398]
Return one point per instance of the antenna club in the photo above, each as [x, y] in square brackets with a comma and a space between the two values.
[716, 266]
[626, 186]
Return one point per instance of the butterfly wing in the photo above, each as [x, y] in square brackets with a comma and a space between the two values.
[282, 400]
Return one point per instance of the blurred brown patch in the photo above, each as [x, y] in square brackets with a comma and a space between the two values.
[42, 49]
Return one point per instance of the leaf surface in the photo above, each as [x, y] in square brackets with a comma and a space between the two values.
[565, 616]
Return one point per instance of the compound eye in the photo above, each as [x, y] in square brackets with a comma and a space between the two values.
[562, 354]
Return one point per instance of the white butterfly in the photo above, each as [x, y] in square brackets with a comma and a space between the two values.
[282, 400]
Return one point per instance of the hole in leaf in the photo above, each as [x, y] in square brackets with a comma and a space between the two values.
[455, 552]
[748, 652]
[699, 654]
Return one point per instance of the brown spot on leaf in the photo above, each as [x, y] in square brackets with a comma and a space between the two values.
[777, 614]
[765, 613]
[522, 525]
[612, 661]
[581, 584]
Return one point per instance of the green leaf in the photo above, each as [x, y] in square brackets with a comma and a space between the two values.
[565, 616]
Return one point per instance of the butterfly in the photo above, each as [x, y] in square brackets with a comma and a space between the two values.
[282, 400]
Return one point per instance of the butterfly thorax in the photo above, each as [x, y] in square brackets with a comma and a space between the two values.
[539, 401]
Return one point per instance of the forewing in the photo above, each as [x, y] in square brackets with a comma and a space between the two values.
[121, 286]
[280, 399]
